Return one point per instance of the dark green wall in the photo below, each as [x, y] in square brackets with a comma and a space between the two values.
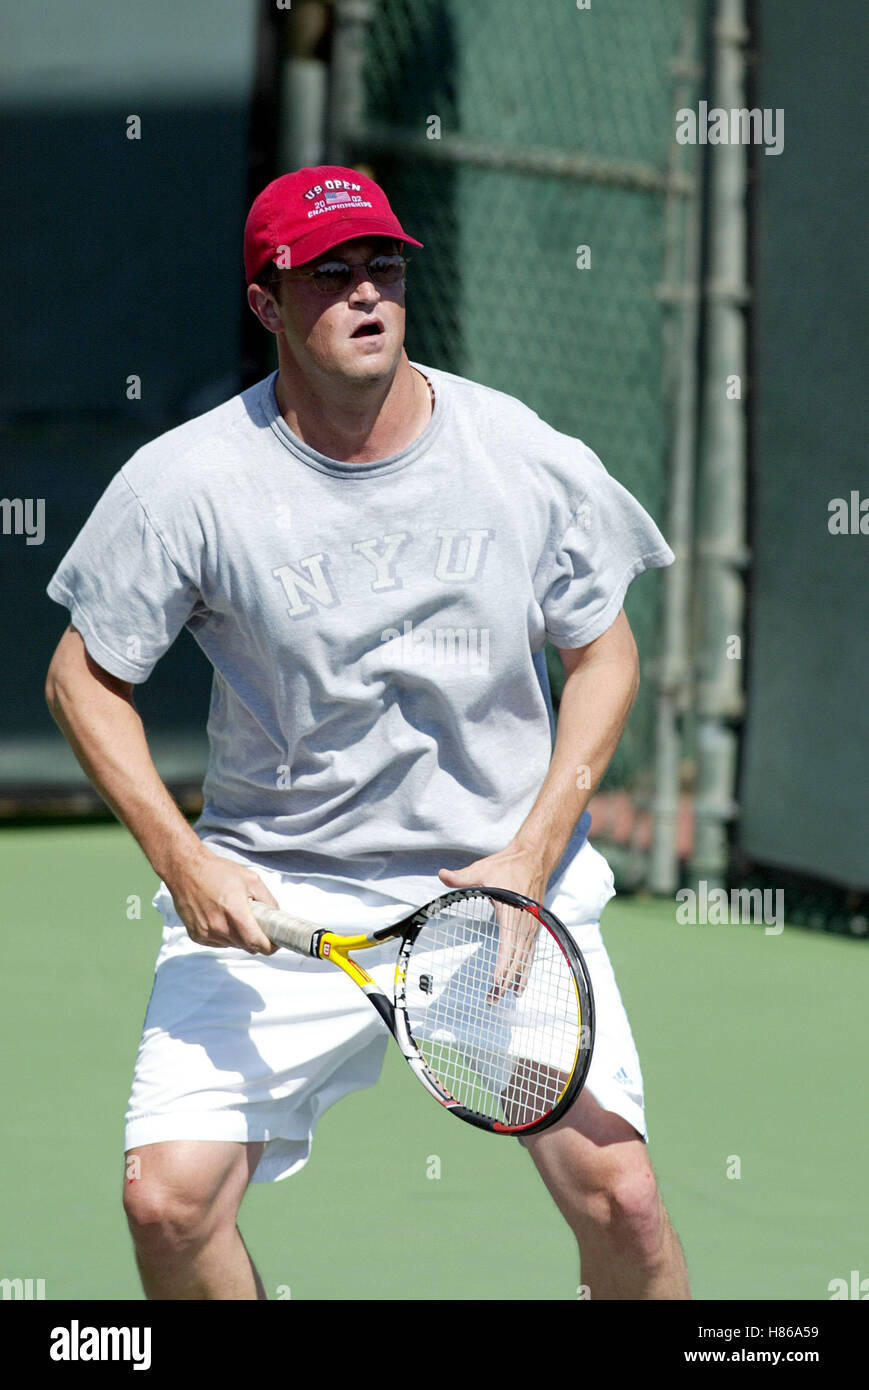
[120, 257]
[805, 779]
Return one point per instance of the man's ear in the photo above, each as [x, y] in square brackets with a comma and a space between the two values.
[262, 303]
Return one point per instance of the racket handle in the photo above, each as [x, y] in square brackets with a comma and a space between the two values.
[296, 933]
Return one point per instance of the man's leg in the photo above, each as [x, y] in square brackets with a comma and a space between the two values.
[182, 1207]
[597, 1170]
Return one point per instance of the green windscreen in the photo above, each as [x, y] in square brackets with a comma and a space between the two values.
[122, 259]
[806, 752]
[515, 145]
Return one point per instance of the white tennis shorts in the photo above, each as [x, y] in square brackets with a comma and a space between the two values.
[256, 1048]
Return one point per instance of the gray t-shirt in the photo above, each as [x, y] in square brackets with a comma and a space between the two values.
[380, 706]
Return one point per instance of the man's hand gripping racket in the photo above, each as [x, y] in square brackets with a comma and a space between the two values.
[509, 1058]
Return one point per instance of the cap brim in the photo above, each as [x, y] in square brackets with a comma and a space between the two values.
[337, 229]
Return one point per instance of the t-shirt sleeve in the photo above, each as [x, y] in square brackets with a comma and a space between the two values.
[125, 593]
[609, 540]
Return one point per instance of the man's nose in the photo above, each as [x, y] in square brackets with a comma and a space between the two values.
[363, 287]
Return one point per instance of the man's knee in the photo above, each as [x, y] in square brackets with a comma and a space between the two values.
[166, 1220]
[176, 1201]
[628, 1212]
[636, 1206]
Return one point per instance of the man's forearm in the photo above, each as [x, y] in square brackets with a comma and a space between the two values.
[106, 734]
[96, 713]
[597, 699]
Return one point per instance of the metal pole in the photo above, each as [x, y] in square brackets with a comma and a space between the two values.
[257, 354]
[721, 539]
[681, 294]
[305, 85]
[347, 86]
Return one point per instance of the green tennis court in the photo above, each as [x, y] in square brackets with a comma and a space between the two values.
[753, 1048]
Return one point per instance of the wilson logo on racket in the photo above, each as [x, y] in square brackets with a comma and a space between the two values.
[507, 1041]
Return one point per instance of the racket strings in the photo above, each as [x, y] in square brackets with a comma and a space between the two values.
[510, 1058]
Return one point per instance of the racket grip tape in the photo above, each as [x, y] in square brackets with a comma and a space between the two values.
[296, 933]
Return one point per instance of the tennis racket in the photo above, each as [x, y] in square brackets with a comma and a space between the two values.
[492, 1004]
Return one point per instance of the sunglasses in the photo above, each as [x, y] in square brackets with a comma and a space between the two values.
[334, 277]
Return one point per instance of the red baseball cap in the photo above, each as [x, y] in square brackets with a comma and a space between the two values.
[300, 215]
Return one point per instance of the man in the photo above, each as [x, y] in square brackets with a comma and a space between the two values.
[323, 536]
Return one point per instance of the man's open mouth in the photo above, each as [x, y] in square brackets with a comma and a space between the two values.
[368, 330]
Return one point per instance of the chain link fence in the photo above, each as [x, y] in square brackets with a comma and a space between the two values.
[529, 147]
